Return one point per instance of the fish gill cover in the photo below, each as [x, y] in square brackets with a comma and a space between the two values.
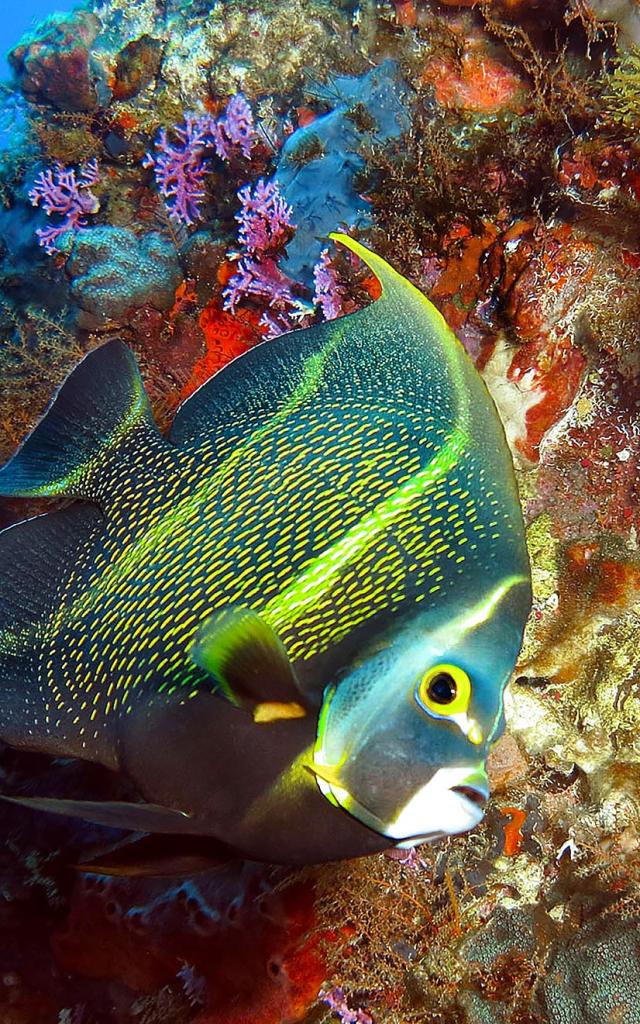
[170, 176]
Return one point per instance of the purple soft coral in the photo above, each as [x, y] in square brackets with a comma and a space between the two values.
[329, 293]
[264, 218]
[336, 1001]
[236, 130]
[265, 229]
[180, 168]
[60, 191]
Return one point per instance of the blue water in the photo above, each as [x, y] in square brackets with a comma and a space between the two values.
[18, 16]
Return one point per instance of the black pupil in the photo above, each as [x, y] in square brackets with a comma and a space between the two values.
[442, 688]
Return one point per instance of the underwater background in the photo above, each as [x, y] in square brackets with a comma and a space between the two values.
[169, 173]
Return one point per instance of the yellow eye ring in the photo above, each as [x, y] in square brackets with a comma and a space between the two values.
[444, 690]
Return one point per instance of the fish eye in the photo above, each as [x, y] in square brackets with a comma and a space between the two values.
[444, 690]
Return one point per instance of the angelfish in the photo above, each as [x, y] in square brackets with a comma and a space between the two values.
[289, 623]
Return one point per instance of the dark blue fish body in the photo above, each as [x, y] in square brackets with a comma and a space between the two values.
[291, 621]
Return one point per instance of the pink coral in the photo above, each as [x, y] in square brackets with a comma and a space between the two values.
[265, 228]
[180, 168]
[60, 191]
[329, 294]
[336, 1001]
[260, 277]
[235, 131]
[264, 219]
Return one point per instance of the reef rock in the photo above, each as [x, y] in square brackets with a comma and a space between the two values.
[137, 65]
[52, 64]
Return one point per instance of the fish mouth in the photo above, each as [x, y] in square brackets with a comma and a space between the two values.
[453, 801]
[476, 796]
[474, 805]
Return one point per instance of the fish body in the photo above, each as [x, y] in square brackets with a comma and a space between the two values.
[260, 619]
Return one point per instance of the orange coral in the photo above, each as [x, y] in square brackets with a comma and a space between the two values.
[258, 966]
[606, 581]
[372, 286]
[557, 268]
[184, 299]
[127, 120]
[558, 369]
[227, 335]
[406, 13]
[513, 837]
[458, 287]
[478, 83]
[305, 116]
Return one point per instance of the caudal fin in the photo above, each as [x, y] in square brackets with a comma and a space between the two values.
[99, 403]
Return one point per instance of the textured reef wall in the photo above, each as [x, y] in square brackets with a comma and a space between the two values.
[172, 172]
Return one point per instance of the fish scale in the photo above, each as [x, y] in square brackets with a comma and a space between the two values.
[204, 539]
[153, 607]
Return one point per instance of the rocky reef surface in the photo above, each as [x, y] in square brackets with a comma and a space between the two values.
[171, 173]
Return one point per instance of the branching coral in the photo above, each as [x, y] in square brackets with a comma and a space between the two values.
[61, 192]
[235, 131]
[335, 1000]
[265, 228]
[264, 219]
[180, 168]
[329, 293]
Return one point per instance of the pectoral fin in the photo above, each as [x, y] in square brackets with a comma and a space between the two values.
[114, 814]
[250, 664]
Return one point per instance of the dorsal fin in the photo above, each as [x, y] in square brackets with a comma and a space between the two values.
[37, 558]
[259, 384]
[102, 400]
[396, 287]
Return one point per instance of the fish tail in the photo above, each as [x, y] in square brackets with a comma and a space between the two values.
[100, 402]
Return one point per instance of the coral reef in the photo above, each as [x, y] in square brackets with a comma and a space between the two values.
[265, 228]
[490, 151]
[180, 169]
[320, 162]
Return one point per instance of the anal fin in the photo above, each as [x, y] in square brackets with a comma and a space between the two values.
[158, 856]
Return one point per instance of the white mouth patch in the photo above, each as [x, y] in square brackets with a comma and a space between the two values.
[451, 802]
[442, 806]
